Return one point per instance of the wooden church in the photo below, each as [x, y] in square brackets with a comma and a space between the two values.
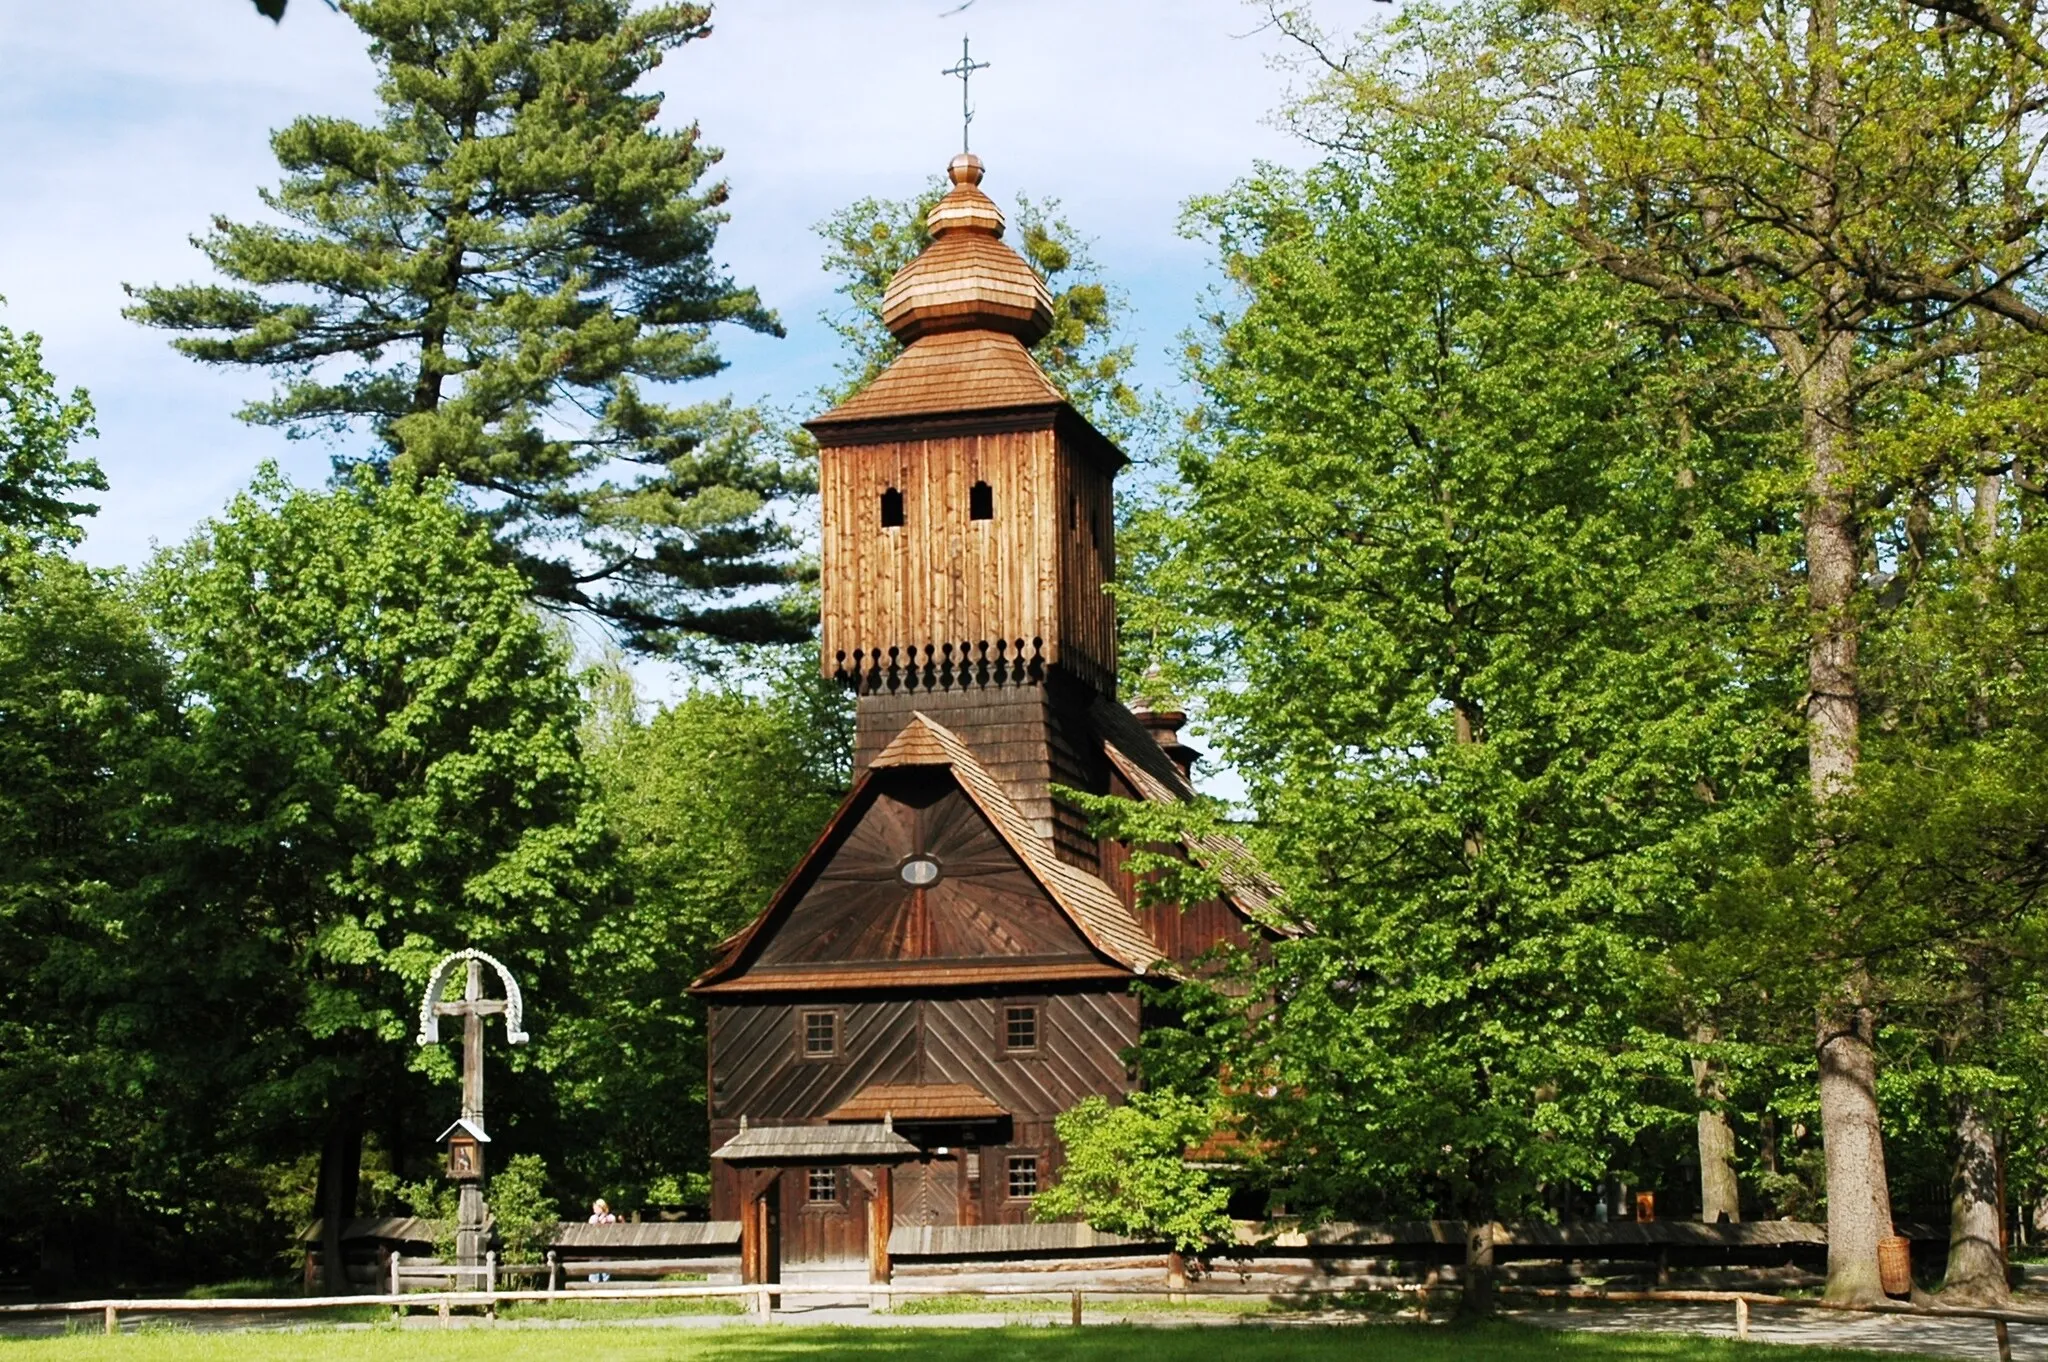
[950, 966]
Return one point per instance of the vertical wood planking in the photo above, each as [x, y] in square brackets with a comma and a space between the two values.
[943, 578]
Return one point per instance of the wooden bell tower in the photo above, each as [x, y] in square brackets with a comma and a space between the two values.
[969, 524]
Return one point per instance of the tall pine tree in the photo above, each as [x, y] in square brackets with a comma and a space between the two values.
[500, 277]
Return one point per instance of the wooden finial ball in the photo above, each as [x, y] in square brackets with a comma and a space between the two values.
[965, 169]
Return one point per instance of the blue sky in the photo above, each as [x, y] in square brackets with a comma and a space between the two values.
[128, 124]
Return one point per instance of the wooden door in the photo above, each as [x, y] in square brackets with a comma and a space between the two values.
[928, 1192]
[761, 1226]
[824, 1219]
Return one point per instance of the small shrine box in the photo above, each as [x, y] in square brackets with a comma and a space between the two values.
[466, 1141]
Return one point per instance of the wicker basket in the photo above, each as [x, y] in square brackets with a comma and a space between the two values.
[1895, 1265]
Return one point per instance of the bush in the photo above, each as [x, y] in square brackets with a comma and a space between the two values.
[1126, 1171]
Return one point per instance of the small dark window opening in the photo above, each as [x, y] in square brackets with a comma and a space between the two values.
[1095, 529]
[821, 1035]
[892, 509]
[1020, 1028]
[981, 502]
[1023, 1177]
[822, 1185]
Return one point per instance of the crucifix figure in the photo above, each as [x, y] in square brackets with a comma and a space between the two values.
[466, 1137]
[965, 69]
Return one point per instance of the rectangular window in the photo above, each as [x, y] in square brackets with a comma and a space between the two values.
[1020, 1029]
[1023, 1177]
[821, 1035]
[823, 1185]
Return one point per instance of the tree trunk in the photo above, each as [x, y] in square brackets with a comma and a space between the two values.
[341, 1173]
[1720, 1196]
[1976, 1252]
[1859, 1203]
[1833, 704]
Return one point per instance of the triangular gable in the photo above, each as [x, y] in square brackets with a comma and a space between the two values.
[1092, 905]
[1005, 904]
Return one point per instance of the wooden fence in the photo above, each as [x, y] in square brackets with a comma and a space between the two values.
[762, 1299]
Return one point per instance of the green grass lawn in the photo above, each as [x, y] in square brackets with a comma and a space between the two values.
[1109, 1343]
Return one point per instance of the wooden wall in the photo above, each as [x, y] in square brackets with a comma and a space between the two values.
[942, 588]
[757, 1070]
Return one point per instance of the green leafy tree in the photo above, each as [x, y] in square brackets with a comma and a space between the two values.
[1848, 181]
[1943, 846]
[383, 764]
[709, 803]
[500, 278]
[1464, 568]
[1125, 1171]
[112, 1067]
[869, 240]
[525, 1217]
[40, 474]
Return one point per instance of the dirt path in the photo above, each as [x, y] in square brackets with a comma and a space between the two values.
[1958, 1338]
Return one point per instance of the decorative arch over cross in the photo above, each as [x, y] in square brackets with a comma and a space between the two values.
[430, 1016]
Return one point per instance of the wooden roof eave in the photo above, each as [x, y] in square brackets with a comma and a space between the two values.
[840, 432]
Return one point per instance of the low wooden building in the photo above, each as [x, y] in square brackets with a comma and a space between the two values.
[950, 966]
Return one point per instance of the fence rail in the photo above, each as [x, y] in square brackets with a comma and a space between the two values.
[760, 1297]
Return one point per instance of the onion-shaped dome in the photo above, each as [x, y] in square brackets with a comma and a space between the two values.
[967, 279]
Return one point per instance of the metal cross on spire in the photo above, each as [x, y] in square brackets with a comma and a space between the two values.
[965, 69]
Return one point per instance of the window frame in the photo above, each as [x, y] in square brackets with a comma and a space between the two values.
[803, 1034]
[900, 508]
[1016, 1163]
[811, 1176]
[1037, 1010]
[981, 501]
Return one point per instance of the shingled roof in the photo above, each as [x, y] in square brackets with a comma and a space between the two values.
[1097, 913]
[918, 1102]
[953, 373]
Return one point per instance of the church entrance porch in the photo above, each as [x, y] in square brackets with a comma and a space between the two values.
[815, 1199]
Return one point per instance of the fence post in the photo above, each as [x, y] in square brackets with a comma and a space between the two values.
[113, 1321]
[441, 1309]
[1741, 1319]
[1478, 1275]
[2004, 1342]
[1077, 1309]
[554, 1273]
[761, 1302]
[1176, 1277]
[491, 1283]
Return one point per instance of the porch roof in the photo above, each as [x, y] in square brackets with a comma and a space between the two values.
[867, 1142]
[919, 1102]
